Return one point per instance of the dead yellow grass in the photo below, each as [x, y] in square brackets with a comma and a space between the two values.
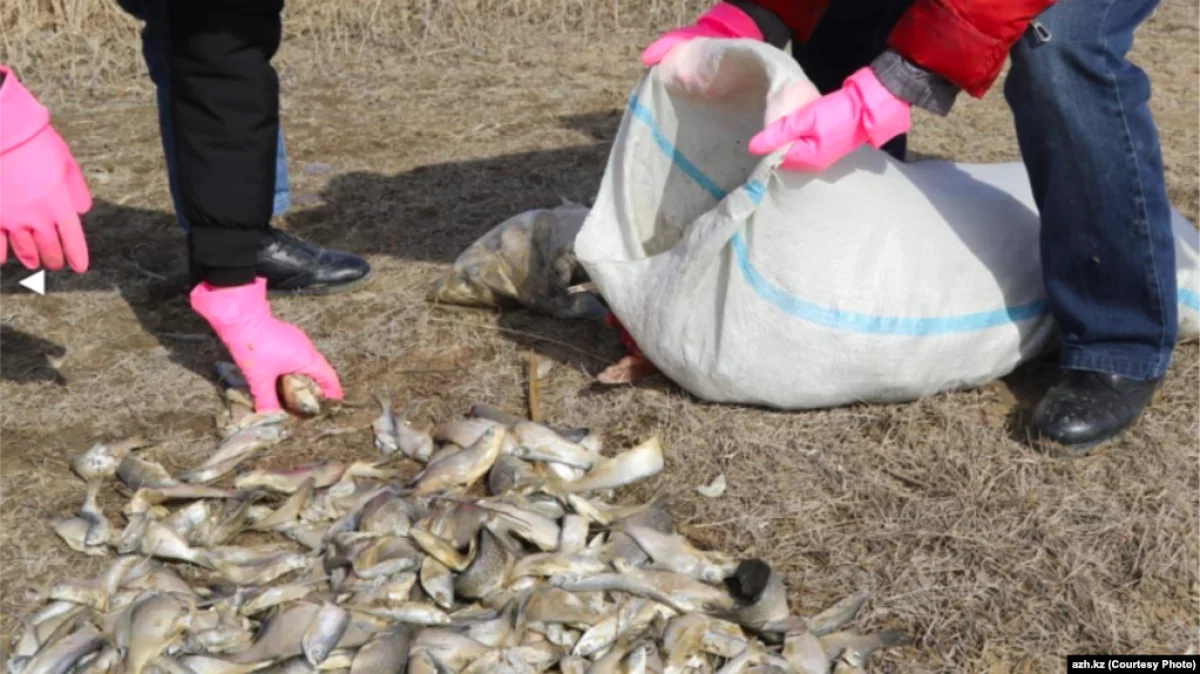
[406, 144]
[89, 43]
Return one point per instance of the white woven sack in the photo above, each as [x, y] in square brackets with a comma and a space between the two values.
[874, 281]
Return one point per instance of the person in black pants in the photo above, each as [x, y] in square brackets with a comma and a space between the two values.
[224, 105]
[289, 265]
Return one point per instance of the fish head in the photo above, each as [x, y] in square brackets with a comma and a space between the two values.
[300, 394]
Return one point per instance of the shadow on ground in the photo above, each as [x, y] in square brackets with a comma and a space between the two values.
[428, 214]
[26, 358]
[432, 213]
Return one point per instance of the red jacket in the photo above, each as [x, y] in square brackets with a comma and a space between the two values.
[965, 41]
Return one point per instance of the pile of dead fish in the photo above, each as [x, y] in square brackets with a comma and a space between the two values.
[503, 553]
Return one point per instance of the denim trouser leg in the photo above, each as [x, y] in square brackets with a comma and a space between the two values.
[154, 50]
[1092, 152]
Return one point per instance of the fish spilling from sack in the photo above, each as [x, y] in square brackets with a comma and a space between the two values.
[487, 544]
[528, 261]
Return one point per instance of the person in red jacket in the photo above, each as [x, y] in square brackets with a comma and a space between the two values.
[1086, 135]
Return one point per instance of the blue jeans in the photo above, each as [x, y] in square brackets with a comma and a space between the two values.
[1092, 152]
[155, 36]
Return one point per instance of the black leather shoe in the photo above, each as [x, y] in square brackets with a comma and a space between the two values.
[295, 267]
[1086, 409]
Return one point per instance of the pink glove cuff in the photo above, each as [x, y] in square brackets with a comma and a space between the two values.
[884, 115]
[232, 307]
[23, 116]
[729, 21]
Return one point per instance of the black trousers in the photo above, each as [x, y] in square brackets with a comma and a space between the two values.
[225, 107]
[849, 36]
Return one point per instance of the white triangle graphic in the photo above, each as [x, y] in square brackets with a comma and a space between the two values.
[36, 283]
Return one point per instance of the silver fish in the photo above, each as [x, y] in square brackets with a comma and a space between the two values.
[391, 590]
[146, 498]
[537, 529]
[553, 605]
[300, 394]
[438, 582]
[443, 550]
[447, 647]
[673, 553]
[277, 595]
[384, 428]
[415, 444]
[324, 632]
[536, 442]
[738, 664]
[387, 514]
[656, 516]
[683, 639]
[604, 633]
[234, 450]
[804, 653]
[414, 613]
[509, 473]
[159, 541]
[74, 531]
[386, 556]
[289, 512]
[461, 469]
[445, 451]
[496, 629]
[547, 564]
[572, 664]
[837, 615]
[137, 473]
[462, 432]
[855, 649]
[625, 468]
[281, 636]
[385, 653]
[288, 481]
[221, 529]
[487, 573]
[573, 536]
[266, 570]
[153, 623]
[220, 639]
[62, 656]
[101, 460]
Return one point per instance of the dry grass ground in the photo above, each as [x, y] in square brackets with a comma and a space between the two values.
[412, 129]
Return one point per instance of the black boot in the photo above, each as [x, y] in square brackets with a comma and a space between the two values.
[1086, 409]
[295, 267]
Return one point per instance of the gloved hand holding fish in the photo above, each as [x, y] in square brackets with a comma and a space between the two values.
[264, 347]
[484, 544]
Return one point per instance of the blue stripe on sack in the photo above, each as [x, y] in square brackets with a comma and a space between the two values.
[870, 323]
[1189, 299]
[835, 318]
[643, 113]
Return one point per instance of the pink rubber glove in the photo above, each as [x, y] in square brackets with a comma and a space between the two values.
[263, 347]
[42, 191]
[833, 126]
[722, 21]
